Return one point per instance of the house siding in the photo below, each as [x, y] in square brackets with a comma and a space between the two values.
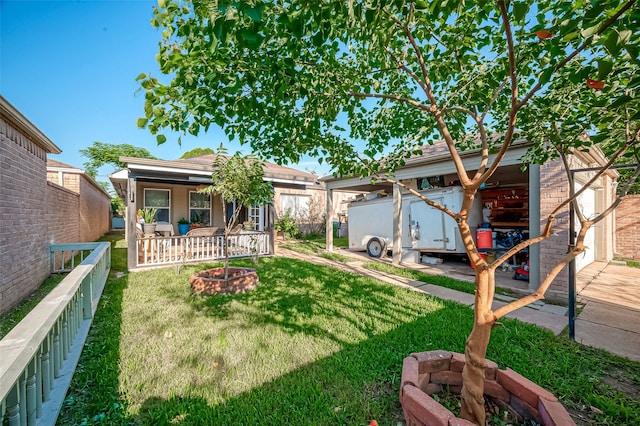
[24, 247]
[628, 228]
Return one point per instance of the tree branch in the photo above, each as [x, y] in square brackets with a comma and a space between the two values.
[397, 98]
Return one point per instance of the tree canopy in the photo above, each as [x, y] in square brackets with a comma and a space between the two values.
[102, 154]
[196, 152]
[348, 82]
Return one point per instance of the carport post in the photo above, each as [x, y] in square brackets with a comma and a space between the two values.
[534, 226]
[572, 265]
[397, 226]
[329, 220]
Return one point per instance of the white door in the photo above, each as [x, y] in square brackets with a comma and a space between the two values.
[427, 226]
[587, 205]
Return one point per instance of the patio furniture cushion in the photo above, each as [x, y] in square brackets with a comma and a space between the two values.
[205, 232]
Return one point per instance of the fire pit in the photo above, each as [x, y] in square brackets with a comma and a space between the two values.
[211, 281]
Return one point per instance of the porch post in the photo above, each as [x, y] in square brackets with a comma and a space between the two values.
[397, 226]
[329, 219]
[534, 225]
[130, 226]
[270, 211]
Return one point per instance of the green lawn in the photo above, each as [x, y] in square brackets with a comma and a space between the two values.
[310, 346]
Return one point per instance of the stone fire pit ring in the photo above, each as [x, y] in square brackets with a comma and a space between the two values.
[211, 281]
[426, 373]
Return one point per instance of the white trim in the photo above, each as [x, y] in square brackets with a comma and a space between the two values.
[169, 169]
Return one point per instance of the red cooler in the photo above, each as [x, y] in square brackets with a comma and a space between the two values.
[484, 238]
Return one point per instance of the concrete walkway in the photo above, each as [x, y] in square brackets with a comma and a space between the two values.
[610, 293]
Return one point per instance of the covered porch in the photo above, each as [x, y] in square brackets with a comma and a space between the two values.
[172, 187]
[154, 250]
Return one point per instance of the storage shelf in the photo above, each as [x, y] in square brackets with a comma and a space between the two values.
[511, 224]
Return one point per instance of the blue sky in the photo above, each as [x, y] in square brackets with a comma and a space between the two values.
[70, 68]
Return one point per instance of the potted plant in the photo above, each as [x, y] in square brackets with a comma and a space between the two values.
[183, 225]
[149, 217]
[196, 220]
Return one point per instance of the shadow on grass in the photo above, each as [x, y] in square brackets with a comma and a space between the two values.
[312, 290]
[352, 385]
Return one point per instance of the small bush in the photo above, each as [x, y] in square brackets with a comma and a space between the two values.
[288, 226]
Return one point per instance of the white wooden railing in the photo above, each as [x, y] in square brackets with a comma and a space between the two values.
[39, 356]
[155, 251]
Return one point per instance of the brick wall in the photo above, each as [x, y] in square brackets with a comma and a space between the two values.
[554, 189]
[35, 213]
[24, 240]
[628, 228]
[94, 210]
[62, 216]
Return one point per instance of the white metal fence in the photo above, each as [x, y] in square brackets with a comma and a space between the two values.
[40, 354]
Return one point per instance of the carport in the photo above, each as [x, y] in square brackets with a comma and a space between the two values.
[549, 179]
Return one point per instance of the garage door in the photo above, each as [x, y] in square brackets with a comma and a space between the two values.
[587, 205]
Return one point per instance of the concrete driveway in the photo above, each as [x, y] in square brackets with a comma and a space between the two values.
[610, 318]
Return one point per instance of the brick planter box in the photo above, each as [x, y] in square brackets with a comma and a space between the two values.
[426, 373]
[211, 281]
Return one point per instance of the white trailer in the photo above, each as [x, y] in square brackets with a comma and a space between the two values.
[424, 228]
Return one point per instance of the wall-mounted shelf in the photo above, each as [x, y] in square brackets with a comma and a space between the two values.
[509, 207]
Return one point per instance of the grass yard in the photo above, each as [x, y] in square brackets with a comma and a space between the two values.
[310, 346]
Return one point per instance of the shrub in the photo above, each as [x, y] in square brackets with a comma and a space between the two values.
[288, 226]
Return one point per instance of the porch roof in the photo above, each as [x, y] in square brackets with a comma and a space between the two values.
[198, 170]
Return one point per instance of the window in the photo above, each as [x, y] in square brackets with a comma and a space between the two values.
[200, 208]
[161, 200]
[255, 215]
[296, 205]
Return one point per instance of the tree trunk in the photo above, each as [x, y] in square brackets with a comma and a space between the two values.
[476, 348]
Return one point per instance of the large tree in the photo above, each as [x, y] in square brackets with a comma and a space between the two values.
[108, 154]
[102, 154]
[362, 85]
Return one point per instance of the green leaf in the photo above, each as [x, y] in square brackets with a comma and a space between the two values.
[142, 122]
[255, 13]
[611, 43]
[520, 11]
[621, 101]
[604, 68]
[160, 139]
[545, 75]
[141, 76]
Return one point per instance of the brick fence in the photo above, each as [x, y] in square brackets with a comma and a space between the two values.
[628, 228]
[35, 213]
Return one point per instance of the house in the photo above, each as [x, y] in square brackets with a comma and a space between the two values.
[36, 212]
[539, 190]
[172, 188]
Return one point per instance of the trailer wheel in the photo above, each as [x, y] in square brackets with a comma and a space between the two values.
[375, 247]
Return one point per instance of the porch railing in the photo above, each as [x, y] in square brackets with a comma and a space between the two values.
[154, 251]
[40, 354]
